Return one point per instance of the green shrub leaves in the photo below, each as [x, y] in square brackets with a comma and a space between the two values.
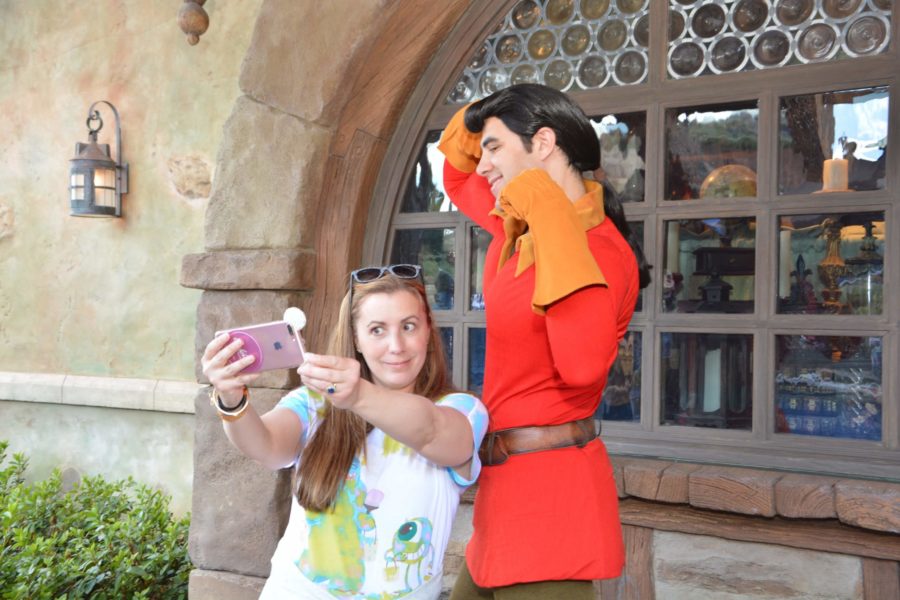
[97, 540]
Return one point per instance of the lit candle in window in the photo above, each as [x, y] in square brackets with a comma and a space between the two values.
[784, 263]
[712, 380]
[834, 174]
[672, 247]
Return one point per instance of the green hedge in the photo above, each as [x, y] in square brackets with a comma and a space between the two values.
[98, 539]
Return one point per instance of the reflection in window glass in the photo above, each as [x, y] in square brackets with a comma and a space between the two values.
[707, 380]
[711, 151]
[831, 263]
[833, 142]
[447, 341]
[622, 394]
[622, 138]
[480, 239]
[475, 371]
[828, 386]
[425, 190]
[434, 249]
[637, 227]
[710, 265]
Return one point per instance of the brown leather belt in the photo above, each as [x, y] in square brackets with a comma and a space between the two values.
[500, 445]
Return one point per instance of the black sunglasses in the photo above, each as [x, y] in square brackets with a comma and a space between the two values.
[402, 271]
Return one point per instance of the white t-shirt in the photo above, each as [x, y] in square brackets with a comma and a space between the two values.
[386, 535]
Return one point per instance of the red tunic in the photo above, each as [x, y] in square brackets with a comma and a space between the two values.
[547, 515]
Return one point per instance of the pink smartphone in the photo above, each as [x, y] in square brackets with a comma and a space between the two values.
[275, 345]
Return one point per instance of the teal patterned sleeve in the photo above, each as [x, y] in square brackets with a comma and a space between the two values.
[477, 415]
[307, 405]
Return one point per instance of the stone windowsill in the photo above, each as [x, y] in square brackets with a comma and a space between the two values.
[866, 504]
[108, 392]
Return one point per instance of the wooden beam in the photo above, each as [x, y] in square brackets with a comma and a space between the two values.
[826, 535]
[881, 579]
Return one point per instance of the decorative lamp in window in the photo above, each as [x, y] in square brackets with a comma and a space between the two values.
[96, 181]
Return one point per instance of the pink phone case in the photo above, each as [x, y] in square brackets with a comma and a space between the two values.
[275, 346]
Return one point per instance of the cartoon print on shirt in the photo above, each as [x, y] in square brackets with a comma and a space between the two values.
[411, 545]
[335, 555]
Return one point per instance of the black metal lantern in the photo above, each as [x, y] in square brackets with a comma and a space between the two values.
[96, 182]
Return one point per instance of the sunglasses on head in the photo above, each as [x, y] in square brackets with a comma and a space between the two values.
[369, 274]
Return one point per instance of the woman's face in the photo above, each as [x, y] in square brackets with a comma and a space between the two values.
[392, 334]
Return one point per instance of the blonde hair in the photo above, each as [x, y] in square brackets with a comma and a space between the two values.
[341, 434]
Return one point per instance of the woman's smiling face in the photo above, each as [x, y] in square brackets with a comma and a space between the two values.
[392, 333]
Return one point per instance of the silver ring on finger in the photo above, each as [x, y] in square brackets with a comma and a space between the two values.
[331, 389]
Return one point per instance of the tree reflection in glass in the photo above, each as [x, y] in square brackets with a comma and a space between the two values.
[833, 141]
[701, 140]
[828, 386]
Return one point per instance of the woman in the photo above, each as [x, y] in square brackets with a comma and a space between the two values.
[380, 445]
[561, 281]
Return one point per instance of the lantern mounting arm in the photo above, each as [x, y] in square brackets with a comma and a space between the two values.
[121, 166]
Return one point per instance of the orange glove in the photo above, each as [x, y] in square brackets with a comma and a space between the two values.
[461, 147]
[556, 242]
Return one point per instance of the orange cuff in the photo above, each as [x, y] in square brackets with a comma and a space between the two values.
[562, 259]
[461, 147]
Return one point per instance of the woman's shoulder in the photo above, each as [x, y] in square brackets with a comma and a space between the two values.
[466, 398]
[465, 403]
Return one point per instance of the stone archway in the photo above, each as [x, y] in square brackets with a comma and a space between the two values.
[324, 87]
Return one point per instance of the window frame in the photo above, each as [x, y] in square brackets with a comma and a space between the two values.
[760, 447]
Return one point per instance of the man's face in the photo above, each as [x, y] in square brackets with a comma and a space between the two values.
[503, 155]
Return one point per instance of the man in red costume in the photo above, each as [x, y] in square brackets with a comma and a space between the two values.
[560, 285]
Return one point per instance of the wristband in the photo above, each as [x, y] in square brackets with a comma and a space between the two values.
[233, 413]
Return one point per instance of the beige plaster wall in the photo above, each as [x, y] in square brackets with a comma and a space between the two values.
[153, 447]
[101, 296]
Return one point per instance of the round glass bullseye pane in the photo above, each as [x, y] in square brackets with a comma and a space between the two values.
[576, 40]
[686, 59]
[882, 4]
[558, 74]
[525, 73]
[560, 11]
[771, 49]
[594, 9]
[612, 35]
[492, 80]
[593, 72]
[509, 49]
[750, 15]
[865, 36]
[728, 54]
[630, 67]
[840, 9]
[708, 20]
[541, 44]
[793, 12]
[817, 42]
[526, 14]
[642, 31]
[630, 6]
[481, 56]
[462, 91]
[676, 25]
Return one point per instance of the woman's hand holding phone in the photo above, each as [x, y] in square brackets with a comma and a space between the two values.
[225, 376]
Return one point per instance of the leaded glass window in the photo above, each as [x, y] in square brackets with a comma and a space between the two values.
[750, 142]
